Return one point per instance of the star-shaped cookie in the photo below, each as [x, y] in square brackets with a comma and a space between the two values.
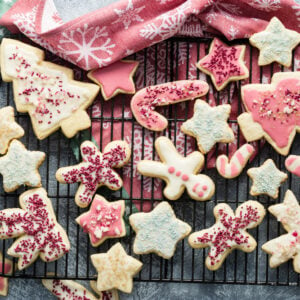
[9, 129]
[224, 64]
[266, 179]
[115, 269]
[275, 43]
[20, 166]
[209, 125]
[158, 231]
[103, 220]
[115, 78]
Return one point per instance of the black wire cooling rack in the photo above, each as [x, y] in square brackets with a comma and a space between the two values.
[187, 265]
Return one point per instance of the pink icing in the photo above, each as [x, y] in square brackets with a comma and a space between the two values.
[3, 280]
[195, 187]
[185, 177]
[171, 170]
[178, 173]
[234, 170]
[200, 194]
[223, 165]
[250, 148]
[144, 102]
[290, 160]
[204, 187]
[276, 109]
[117, 76]
[240, 157]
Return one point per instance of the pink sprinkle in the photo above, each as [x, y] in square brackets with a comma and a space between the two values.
[171, 170]
[178, 173]
[185, 177]
[204, 188]
[200, 194]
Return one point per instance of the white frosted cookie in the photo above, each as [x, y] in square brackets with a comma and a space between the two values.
[36, 229]
[158, 231]
[96, 169]
[8, 268]
[286, 246]
[178, 172]
[275, 43]
[266, 179]
[45, 90]
[209, 125]
[19, 166]
[9, 129]
[115, 269]
[229, 232]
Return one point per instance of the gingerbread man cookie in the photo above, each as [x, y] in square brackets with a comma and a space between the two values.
[179, 172]
[144, 101]
[95, 170]
[45, 90]
[36, 227]
[224, 64]
[229, 232]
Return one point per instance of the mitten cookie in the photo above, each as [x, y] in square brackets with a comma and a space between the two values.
[45, 90]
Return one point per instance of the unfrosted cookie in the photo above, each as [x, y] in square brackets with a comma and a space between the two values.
[178, 172]
[275, 43]
[104, 220]
[158, 231]
[45, 90]
[36, 229]
[229, 232]
[145, 101]
[95, 170]
[8, 267]
[115, 78]
[104, 295]
[272, 111]
[20, 167]
[292, 164]
[266, 179]
[9, 129]
[224, 63]
[209, 125]
[115, 269]
[286, 246]
[234, 167]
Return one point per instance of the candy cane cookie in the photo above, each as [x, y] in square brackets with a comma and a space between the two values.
[237, 162]
[144, 101]
[292, 164]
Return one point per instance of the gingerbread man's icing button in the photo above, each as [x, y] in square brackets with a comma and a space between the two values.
[178, 172]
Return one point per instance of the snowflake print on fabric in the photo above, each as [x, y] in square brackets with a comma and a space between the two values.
[128, 15]
[265, 5]
[297, 9]
[233, 32]
[86, 45]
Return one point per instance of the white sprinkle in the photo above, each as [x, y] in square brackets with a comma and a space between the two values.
[117, 231]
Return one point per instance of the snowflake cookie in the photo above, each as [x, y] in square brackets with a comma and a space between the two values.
[9, 129]
[158, 231]
[115, 269]
[20, 166]
[104, 220]
[95, 170]
[224, 64]
[266, 179]
[286, 246]
[36, 227]
[45, 90]
[144, 101]
[275, 43]
[178, 172]
[7, 269]
[209, 125]
[272, 111]
[116, 78]
[229, 232]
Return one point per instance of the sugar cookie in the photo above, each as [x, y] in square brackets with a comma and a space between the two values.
[36, 227]
[8, 267]
[95, 170]
[115, 269]
[144, 101]
[292, 164]
[266, 179]
[224, 63]
[178, 172]
[45, 90]
[115, 78]
[229, 232]
[209, 125]
[104, 295]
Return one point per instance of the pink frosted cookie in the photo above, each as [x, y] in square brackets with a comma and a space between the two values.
[116, 78]
[45, 90]
[104, 220]
[286, 246]
[272, 111]
[144, 101]
[292, 164]
[229, 232]
[224, 64]
[8, 267]
[178, 172]
[36, 227]
[237, 162]
[95, 170]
